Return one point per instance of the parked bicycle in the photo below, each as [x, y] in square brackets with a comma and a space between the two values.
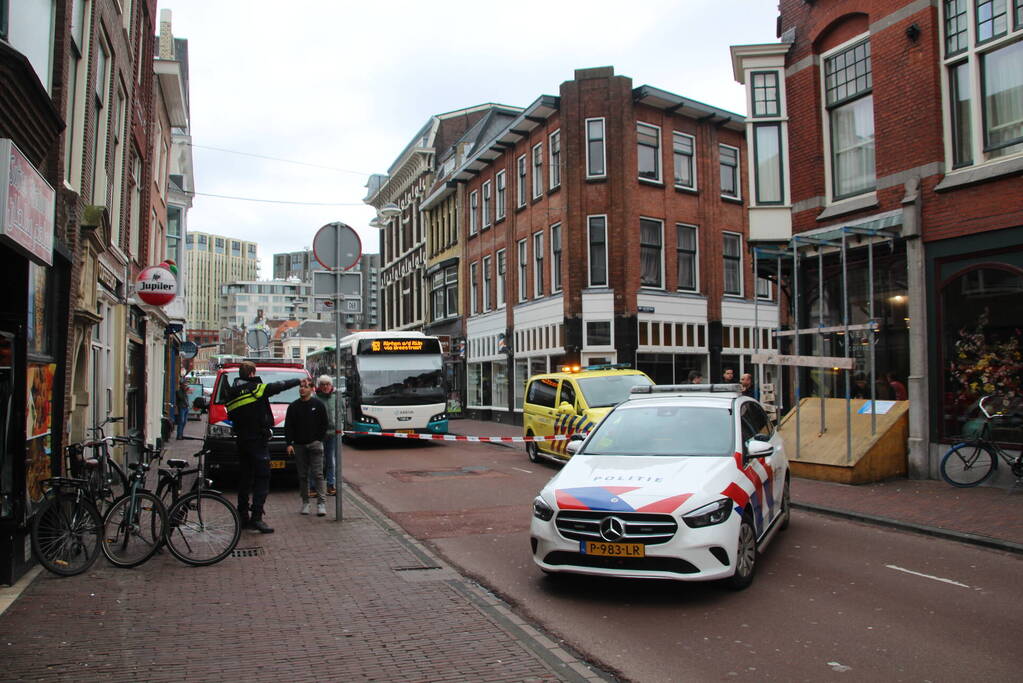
[66, 528]
[134, 526]
[203, 527]
[972, 462]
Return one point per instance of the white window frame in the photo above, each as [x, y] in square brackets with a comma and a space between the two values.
[603, 146]
[639, 238]
[554, 160]
[829, 171]
[738, 172]
[502, 274]
[521, 189]
[725, 259]
[557, 272]
[474, 218]
[537, 170]
[523, 266]
[696, 257]
[692, 161]
[500, 195]
[474, 287]
[597, 347]
[972, 56]
[538, 255]
[487, 261]
[657, 153]
[589, 252]
[487, 195]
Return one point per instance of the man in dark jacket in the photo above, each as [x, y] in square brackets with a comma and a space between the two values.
[252, 420]
[305, 427]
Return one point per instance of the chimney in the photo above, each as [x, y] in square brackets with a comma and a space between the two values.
[166, 37]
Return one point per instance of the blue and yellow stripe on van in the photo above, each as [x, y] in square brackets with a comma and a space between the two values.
[568, 425]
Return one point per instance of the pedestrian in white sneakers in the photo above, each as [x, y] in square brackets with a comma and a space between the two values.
[305, 427]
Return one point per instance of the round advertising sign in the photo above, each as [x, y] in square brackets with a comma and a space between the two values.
[156, 286]
[189, 349]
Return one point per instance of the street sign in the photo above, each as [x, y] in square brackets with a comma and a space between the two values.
[323, 305]
[257, 339]
[337, 246]
[350, 305]
[326, 283]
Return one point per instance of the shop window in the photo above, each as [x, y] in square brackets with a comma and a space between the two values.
[981, 340]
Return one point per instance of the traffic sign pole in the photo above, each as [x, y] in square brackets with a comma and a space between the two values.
[338, 481]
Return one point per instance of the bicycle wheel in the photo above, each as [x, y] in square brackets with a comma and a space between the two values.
[133, 529]
[204, 528]
[65, 534]
[968, 464]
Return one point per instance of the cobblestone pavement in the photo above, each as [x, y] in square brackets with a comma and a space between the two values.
[986, 515]
[318, 600]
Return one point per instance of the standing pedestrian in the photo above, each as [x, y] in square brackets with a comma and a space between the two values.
[326, 394]
[695, 377]
[305, 427]
[899, 392]
[252, 421]
[728, 376]
[181, 408]
[746, 382]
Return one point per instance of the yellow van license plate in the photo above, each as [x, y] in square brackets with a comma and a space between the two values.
[613, 549]
[277, 464]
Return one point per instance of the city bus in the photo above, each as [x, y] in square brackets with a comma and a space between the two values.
[391, 382]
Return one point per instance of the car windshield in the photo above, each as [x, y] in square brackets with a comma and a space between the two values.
[664, 430]
[207, 381]
[268, 377]
[610, 390]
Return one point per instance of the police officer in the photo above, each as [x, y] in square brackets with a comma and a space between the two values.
[253, 421]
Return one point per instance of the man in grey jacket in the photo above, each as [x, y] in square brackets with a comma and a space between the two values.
[326, 393]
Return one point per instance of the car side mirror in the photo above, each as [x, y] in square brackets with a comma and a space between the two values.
[755, 448]
[573, 446]
[566, 408]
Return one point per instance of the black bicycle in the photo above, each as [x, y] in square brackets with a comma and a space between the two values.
[134, 526]
[203, 527]
[972, 462]
[66, 528]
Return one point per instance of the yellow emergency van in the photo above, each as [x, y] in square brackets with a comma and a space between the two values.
[573, 400]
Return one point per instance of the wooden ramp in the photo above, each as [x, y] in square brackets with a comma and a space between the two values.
[823, 456]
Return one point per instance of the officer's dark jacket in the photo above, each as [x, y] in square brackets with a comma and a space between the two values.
[249, 409]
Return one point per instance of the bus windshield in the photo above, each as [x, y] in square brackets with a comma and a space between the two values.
[415, 379]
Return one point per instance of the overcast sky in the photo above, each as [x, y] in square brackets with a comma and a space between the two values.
[332, 91]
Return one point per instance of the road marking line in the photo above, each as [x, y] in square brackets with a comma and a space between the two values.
[926, 576]
[522, 470]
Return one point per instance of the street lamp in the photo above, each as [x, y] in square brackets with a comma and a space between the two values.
[389, 211]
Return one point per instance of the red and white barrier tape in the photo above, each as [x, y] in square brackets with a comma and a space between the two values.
[460, 437]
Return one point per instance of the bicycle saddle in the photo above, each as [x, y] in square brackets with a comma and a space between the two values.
[177, 463]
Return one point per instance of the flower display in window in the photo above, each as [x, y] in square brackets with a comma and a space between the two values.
[985, 363]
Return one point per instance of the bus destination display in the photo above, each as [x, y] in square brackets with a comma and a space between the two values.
[399, 346]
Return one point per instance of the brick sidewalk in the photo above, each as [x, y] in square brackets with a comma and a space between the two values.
[317, 601]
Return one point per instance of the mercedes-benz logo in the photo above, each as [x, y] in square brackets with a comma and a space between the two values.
[612, 529]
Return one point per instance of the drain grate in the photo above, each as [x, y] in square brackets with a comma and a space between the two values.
[247, 552]
[415, 568]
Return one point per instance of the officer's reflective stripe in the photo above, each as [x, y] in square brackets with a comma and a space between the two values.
[246, 398]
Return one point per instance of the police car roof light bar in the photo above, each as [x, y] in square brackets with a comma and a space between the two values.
[609, 366]
[688, 388]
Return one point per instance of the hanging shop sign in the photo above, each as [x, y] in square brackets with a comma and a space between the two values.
[156, 285]
[26, 206]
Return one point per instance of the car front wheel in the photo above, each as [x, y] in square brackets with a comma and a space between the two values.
[745, 555]
[532, 450]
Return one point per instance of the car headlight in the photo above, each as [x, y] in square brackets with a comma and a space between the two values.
[218, 432]
[541, 510]
[709, 515]
[438, 417]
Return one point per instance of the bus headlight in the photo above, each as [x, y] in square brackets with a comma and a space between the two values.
[438, 417]
[369, 419]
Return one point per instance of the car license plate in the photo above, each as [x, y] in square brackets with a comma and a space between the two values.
[405, 431]
[277, 464]
[612, 549]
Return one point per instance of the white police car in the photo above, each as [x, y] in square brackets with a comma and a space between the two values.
[683, 482]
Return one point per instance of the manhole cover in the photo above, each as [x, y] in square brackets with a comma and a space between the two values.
[247, 552]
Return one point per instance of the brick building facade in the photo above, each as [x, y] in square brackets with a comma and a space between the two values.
[900, 135]
[607, 225]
